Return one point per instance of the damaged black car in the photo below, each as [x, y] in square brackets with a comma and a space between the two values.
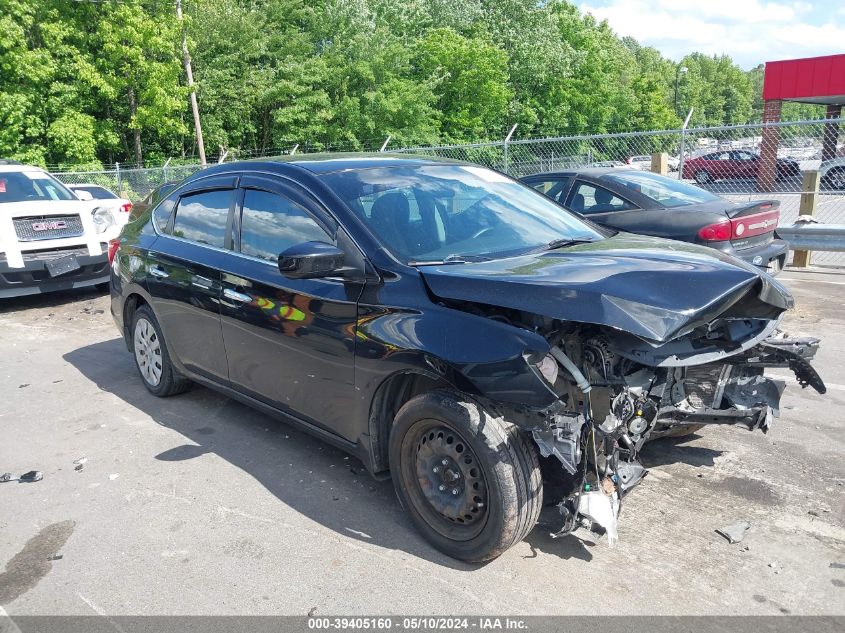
[452, 328]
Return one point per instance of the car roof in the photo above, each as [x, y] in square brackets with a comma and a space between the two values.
[323, 163]
[590, 172]
[5, 169]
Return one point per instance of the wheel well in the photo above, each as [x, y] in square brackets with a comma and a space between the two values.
[132, 303]
[391, 395]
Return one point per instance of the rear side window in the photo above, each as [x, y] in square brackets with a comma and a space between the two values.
[587, 199]
[271, 223]
[99, 193]
[203, 217]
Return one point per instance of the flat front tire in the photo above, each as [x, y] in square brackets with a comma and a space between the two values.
[152, 359]
[470, 482]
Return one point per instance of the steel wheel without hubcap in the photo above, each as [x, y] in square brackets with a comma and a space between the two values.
[836, 178]
[148, 352]
[444, 480]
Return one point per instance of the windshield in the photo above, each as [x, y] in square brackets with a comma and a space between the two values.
[25, 186]
[665, 191]
[427, 213]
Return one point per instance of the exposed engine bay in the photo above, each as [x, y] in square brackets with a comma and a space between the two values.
[615, 404]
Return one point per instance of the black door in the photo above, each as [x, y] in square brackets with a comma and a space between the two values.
[183, 275]
[290, 343]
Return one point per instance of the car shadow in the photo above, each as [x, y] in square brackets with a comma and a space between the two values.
[50, 299]
[306, 474]
[674, 450]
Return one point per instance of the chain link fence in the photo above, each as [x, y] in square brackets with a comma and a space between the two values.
[741, 163]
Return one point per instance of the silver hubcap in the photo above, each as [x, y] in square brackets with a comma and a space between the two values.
[837, 179]
[148, 352]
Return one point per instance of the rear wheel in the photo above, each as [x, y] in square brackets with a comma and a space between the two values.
[835, 178]
[152, 359]
[470, 482]
[702, 177]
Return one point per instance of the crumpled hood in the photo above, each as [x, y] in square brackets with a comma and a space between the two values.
[652, 288]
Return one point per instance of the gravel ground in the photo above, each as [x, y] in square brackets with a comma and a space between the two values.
[199, 505]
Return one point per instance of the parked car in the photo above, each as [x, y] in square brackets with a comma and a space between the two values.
[651, 204]
[153, 198]
[49, 239]
[450, 325]
[120, 207]
[832, 174]
[734, 164]
[643, 161]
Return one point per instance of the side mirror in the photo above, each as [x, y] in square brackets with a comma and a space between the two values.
[83, 195]
[310, 260]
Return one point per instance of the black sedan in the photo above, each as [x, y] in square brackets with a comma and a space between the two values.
[650, 204]
[450, 326]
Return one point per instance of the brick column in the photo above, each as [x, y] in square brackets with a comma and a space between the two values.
[831, 132]
[769, 146]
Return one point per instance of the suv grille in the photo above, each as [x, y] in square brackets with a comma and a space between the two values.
[47, 228]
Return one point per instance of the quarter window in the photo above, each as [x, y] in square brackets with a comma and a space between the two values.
[270, 224]
[589, 199]
[202, 217]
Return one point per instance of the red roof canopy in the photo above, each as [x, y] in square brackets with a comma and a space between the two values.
[811, 80]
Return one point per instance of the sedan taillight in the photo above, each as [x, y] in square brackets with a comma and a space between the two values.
[718, 232]
[113, 246]
[126, 207]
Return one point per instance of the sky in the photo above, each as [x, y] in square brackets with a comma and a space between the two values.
[750, 31]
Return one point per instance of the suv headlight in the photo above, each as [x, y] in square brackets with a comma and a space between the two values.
[103, 219]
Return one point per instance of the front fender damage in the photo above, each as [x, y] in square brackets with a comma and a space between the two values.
[613, 392]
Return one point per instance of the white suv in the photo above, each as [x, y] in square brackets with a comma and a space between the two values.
[49, 239]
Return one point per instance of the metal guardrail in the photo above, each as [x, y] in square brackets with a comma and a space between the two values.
[814, 237]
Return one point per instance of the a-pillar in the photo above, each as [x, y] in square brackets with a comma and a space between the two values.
[831, 132]
[767, 174]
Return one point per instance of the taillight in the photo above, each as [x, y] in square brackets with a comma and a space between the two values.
[126, 208]
[113, 246]
[718, 232]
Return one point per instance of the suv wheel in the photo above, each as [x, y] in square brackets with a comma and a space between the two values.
[836, 178]
[151, 357]
[470, 482]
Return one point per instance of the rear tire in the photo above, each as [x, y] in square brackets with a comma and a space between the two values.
[835, 178]
[471, 483]
[702, 177]
[152, 359]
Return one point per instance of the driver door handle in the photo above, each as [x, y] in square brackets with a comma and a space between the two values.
[155, 271]
[234, 295]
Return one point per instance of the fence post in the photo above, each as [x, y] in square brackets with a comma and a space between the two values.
[660, 163]
[683, 138]
[386, 141]
[505, 149]
[807, 206]
[119, 180]
[164, 169]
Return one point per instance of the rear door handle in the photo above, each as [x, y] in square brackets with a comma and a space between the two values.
[234, 295]
[201, 282]
[155, 271]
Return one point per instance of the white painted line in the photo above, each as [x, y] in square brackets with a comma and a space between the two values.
[813, 281]
[99, 611]
[7, 624]
[791, 378]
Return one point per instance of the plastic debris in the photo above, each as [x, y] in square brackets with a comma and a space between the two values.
[114, 476]
[602, 509]
[734, 532]
[28, 477]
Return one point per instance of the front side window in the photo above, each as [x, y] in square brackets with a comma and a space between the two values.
[426, 213]
[271, 223]
[667, 192]
[587, 199]
[202, 217]
[27, 186]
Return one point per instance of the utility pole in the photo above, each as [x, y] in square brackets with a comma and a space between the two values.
[186, 60]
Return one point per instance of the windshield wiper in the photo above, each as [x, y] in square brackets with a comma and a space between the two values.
[451, 259]
[566, 241]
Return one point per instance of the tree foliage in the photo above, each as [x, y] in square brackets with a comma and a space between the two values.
[86, 83]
